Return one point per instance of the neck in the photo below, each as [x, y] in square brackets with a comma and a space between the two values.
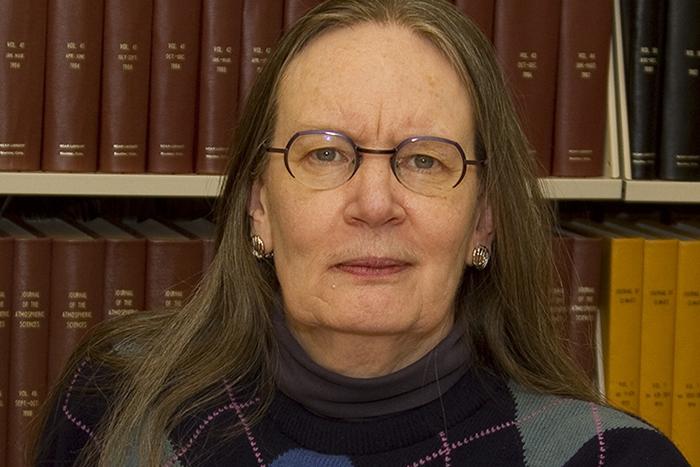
[366, 356]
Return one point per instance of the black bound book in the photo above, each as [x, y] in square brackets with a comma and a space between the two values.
[679, 152]
[646, 22]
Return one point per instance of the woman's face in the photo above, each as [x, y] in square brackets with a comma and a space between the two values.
[370, 257]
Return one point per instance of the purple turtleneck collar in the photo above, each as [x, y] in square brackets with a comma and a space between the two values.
[333, 395]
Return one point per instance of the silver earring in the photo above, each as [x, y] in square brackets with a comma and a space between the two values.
[480, 257]
[259, 248]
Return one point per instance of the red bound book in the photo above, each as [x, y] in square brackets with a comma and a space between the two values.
[174, 67]
[295, 9]
[22, 41]
[559, 293]
[173, 264]
[77, 272]
[124, 268]
[526, 38]
[6, 259]
[29, 332]
[125, 79]
[262, 28]
[205, 230]
[72, 90]
[218, 83]
[479, 11]
[584, 48]
[584, 299]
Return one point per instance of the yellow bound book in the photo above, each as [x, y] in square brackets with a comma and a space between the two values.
[685, 418]
[621, 308]
[658, 319]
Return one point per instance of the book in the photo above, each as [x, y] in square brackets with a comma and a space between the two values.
[124, 268]
[657, 327]
[583, 299]
[559, 292]
[582, 77]
[72, 91]
[479, 11]
[645, 24]
[125, 79]
[262, 28]
[219, 72]
[31, 296]
[23, 34]
[173, 264]
[173, 88]
[679, 149]
[620, 310]
[526, 38]
[6, 257]
[205, 230]
[295, 9]
[77, 275]
[685, 408]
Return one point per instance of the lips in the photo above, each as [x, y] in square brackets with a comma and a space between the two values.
[373, 266]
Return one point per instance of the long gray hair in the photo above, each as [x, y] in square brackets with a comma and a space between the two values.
[177, 359]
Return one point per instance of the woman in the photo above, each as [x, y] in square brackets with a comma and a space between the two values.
[393, 308]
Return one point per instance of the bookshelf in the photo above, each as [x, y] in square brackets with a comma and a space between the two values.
[207, 186]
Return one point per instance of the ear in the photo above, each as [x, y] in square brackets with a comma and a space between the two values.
[483, 230]
[260, 214]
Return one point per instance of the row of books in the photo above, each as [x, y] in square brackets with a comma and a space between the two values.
[59, 278]
[661, 48]
[132, 86]
[645, 277]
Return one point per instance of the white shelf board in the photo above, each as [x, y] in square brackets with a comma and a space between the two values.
[661, 191]
[582, 188]
[99, 184]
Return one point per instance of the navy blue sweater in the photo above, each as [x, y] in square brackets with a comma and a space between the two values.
[481, 421]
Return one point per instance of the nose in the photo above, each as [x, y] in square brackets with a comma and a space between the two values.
[374, 194]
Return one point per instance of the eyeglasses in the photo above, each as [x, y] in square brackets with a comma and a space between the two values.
[323, 160]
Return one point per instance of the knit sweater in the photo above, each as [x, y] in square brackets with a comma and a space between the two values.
[481, 420]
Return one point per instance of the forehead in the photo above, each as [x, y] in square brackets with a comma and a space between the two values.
[378, 83]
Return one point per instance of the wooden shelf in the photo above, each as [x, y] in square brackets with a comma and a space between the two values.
[207, 186]
[96, 184]
[658, 191]
[582, 188]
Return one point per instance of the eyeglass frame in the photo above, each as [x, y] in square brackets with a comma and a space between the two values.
[359, 150]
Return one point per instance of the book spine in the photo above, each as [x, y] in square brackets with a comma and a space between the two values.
[295, 9]
[262, 28]
[125, 78]
[679, 150]
[6, 255]
[77, 271]
[559, 296]
[526, 38]
[173, 268]
[72, 91]
[658, 313]
[644, 84]
[481, 12]
[621, 320]
[29, 329]
[685, 416]
[22, 35]
[124, 277]
[174, 67]
[584, 302]
[584, 48]
[218, 83]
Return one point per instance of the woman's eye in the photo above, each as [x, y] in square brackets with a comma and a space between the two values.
[423, 162]
[327, 155]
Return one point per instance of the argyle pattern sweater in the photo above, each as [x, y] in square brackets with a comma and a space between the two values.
[481, 421]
